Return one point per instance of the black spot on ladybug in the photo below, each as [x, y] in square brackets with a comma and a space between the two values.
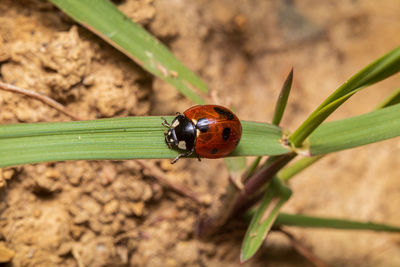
[203, 125]
[214, 150]
[225, 113]
[226, 133]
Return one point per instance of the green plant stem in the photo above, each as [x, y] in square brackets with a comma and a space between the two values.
[259, 179]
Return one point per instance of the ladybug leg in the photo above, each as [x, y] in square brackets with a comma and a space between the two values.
[186, 154]
[165, 123]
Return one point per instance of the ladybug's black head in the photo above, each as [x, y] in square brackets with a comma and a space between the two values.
[181, 133]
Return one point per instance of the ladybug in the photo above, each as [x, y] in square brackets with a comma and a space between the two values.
[209, 131]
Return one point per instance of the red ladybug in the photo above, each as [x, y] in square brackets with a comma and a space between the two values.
[209, 131]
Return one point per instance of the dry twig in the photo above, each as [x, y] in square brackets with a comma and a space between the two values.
[45, 99]
[301, 248]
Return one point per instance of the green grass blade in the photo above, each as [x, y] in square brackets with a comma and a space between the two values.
[392, 99]
[252, 167]
[332, 223]
[116, 138]
[378, 70]
[282, 99]
[275, 196]
[316, 119]
[290, 171]
[104, 19]
[356, 131]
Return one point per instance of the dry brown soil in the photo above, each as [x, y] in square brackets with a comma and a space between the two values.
[114, 213]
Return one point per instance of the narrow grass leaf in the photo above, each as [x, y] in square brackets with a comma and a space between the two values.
[116, 138]
[368, 128]
[275, 196]
[282, 99]
[392, 99]
[299, 220]
[105, 20]
[252, 168]
[290, 171]
[378, 70]
[316, 119]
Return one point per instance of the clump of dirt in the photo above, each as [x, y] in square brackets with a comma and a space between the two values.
[114, 213]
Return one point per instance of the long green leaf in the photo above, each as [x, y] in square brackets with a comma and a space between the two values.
[378, 70]
[356, 131]
[117, 138]
[332, 223]
[104, 19]
[275, 196]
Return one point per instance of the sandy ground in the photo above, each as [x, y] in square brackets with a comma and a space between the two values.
[88, 213]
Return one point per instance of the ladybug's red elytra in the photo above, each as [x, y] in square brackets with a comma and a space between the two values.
[209, 131]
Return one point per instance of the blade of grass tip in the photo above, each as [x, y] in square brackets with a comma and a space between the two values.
[275, 196]
[284, 219]
[392, 99]
[378, 70]
[356, 131]
[282, 99]
[105, 20]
